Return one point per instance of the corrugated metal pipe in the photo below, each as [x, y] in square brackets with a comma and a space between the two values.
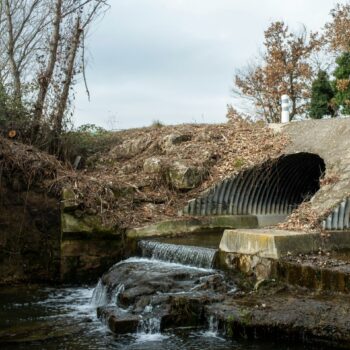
[339, 218]
[274, 187]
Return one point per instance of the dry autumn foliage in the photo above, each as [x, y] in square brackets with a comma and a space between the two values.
[285, 69]
[304, 218]
[124, 194]
[337, 30]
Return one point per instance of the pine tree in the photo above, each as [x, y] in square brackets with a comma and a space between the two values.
[342, 82]
[321, 97]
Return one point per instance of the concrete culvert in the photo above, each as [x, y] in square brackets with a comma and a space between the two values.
[275, 187]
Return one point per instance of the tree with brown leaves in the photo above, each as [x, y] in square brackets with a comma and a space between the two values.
[285, 69]
[337, 30]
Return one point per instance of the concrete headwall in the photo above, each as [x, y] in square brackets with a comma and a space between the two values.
[317, 149]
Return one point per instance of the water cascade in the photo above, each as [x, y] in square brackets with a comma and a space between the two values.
[103, 295]
[186, 255]
[167, 287]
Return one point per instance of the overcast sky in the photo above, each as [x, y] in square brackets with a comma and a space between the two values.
[174, 60]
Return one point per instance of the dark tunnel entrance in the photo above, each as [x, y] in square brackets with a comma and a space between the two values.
[274, 187]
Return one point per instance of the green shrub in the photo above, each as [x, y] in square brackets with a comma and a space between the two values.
[86, 141]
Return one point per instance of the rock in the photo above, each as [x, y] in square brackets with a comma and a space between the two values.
[129, 296]
[185, 177]
[185, 311]
[169, 141]
[131, 148]
[153, 165]
[120, 190]
[69, 202]
[129, 168]
[155, 291]
[69, 223]
[86, 224]
[119, 323]
[207, 136]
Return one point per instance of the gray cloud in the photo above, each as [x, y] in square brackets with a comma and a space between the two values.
[174, 60]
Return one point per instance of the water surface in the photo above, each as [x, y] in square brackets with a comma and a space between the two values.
[63, 318]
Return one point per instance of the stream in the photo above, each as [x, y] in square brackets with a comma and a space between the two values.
[140, 288]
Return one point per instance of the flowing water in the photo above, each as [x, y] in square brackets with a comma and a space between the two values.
[36, 310]
[186, 255]
[65, 317]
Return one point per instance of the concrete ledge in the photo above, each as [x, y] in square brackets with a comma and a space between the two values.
[194, 225]
[270, 220]
[269, 243]
[337, 240]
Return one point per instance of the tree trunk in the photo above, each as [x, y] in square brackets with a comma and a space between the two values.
[11, 56]
[69, 73]
[45, 78]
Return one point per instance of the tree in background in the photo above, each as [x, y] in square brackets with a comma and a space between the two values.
[322, 95]
[337, 30]
[337, 36]
[285, 69]
[42, 53]
[342, 82]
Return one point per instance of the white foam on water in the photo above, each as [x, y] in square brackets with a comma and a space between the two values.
[101, 296]
[213, 329]
[149, 331]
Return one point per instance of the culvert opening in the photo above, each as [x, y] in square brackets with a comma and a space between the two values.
[275, 187]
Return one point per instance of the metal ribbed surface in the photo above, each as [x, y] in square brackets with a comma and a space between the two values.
[274, 187]
[339, 219]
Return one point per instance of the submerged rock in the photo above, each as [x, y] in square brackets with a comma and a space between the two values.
[118, 322]
[173, 294]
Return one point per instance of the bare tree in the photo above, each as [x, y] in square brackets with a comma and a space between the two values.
[42, 52]
[22, 23]
[45, 76]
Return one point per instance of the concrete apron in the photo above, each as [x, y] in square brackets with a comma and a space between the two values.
[262, 252]
[215, 223]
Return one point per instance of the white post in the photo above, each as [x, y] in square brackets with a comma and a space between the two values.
[285, 109]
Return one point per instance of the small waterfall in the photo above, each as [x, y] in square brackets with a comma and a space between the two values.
[149, 330]
[102, 296]
[99, 295]
[213, 328]
[187, 255]
[149, 326]
[213, 325]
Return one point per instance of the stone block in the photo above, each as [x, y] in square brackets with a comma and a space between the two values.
[69, 202]
[269, 243]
